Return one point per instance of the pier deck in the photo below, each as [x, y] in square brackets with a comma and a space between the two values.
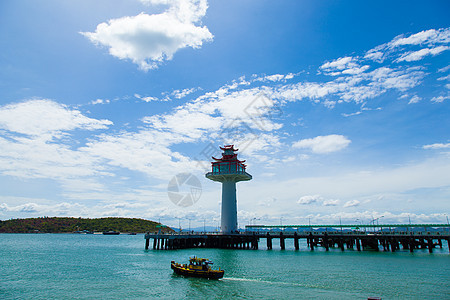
[350, 240]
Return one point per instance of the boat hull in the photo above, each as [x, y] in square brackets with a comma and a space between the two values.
[210, 274]
[111, 233]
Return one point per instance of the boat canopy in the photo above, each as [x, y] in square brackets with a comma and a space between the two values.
[200, 260]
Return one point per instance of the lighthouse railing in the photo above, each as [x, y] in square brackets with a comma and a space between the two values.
[226, 172]
[228, 168]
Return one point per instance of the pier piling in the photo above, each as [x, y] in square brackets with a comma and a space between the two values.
[296, 246]
[282, 244]
[269, 241]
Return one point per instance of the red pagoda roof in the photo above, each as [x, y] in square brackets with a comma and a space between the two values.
[228, 147]
[228, 158]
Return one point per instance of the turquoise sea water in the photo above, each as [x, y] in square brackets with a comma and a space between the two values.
[70, 266]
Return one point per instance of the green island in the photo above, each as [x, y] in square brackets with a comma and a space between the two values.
[80, 225]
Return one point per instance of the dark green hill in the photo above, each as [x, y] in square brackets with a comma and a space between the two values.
[66, 225]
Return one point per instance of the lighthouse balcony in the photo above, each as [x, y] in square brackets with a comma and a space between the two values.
[232, 175]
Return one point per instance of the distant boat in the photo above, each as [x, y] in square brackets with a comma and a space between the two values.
[197, 267]
[132, 233]
[83, 232]
[111, 232]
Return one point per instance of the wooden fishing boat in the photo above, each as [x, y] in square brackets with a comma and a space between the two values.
[197, 267]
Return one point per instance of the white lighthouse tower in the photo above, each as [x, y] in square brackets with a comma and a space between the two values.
[228, 170]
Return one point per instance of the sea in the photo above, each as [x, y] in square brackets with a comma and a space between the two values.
[77, 266]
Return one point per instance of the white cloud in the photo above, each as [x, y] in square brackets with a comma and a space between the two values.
[330, 202]
[309, 199]
[178, 94]
[45, 118]
[352, 114]
[439, 99]
[437, 146]
[146, 151]
[185, 10]
[444, 78]
[414, 99]
[354, 88]
[35, 158]
[323, 144]
[444, 69]
[426, 36]
[356, 70]
[351, 203]
[33, 144]
[150, 98]
[339, 64]
[429, 38]
[266, 78]
[344, 66]
[402, 80]
[149, 40]
[375, 55]
[275, 77]
[418, 55]
[100, 101]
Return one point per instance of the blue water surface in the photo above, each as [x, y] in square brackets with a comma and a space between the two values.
[71, 266]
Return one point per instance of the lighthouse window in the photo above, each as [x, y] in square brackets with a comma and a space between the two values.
[215, 168]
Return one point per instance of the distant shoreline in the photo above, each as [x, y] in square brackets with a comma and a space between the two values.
[81, 225]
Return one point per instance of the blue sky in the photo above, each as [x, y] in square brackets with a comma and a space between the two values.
[339, 107]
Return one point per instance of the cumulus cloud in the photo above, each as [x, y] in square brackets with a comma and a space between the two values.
[330, 202]
[351, 203]
[309, 199]
[323, 144]
[149, 40]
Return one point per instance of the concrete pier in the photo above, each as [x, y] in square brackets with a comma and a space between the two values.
[343, 241]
